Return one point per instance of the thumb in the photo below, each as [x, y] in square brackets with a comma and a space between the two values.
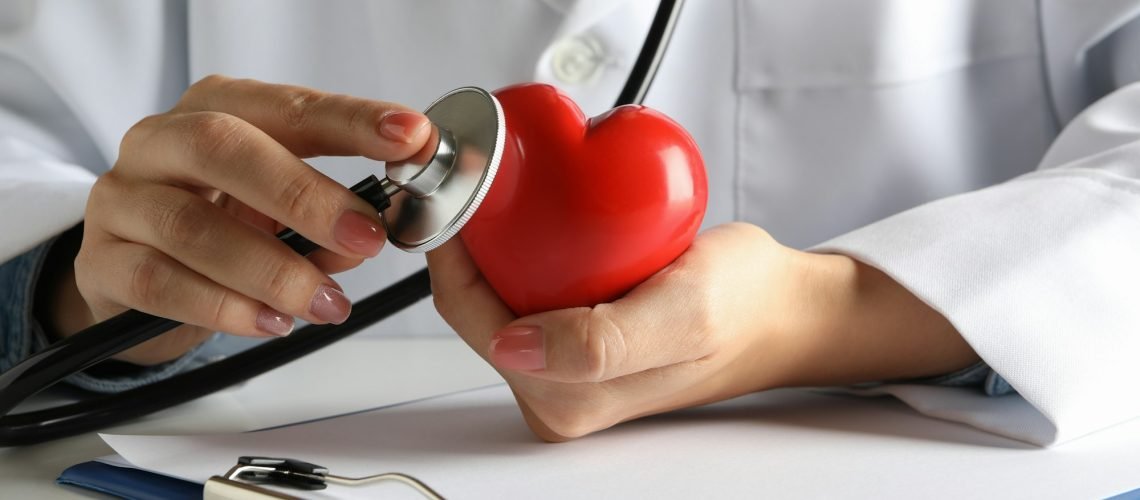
[657, 324]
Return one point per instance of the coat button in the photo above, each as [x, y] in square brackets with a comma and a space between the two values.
[577, 59]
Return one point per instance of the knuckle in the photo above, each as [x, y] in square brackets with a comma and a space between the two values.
[210, 81]
[604, 346]
[751, 232]
[84, 269]
[101, 193]
[366, 116]
[139, 133]
[577, 420]
[449, 289]
[298, 195]
[213, 137]
[282, 279]
[570, 428]
[217, 308]
[442, 302]
[202, 88]
[188, 225]
[700, 322]
[449, 304]
[694, 287]
[149, 277]
[295, 107]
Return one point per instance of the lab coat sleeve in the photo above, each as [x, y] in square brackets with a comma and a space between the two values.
[1040, 275]
[40, 197]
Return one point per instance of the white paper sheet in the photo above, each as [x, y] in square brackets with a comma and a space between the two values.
[781, 444]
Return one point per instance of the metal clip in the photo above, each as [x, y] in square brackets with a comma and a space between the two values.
[242, 481]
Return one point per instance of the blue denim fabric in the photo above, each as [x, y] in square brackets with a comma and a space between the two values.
[21, 334]
[977, 375]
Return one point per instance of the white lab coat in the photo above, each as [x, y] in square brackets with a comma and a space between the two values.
[818, 120]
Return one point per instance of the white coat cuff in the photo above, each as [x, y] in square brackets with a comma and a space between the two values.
[40, 196]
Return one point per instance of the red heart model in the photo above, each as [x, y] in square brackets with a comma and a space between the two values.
[581, 211]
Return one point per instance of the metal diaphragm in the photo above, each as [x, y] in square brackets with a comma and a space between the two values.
[439, 193]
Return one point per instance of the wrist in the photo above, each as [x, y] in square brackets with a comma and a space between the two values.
[59, 307]
[849, 323]
[69, 311]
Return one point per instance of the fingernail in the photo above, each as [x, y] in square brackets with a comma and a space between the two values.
[330, 305]
[518, 348]
[358, 233]
[273, 322]
[402, 126]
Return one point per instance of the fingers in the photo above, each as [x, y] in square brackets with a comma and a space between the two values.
[682, 338]
[198, 233]
[166, 347]
[681, 314]
[218, 151]
[656, 325]
[243, 138]
[327, 261]
[464, 299]
[313, 123]
[183, 225]
[156, 283]
[331, 263]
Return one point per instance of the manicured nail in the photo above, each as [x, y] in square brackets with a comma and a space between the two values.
[518, 348]
[358, 233]
[330, 305]
[273, 322]
[402, 126]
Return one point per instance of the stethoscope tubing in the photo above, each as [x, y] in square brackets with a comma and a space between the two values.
[84, 349]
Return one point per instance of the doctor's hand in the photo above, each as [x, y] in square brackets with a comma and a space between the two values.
[736, 313]
[183, 225]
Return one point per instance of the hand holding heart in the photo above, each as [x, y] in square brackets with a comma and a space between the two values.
[694, 332]
[575, 243]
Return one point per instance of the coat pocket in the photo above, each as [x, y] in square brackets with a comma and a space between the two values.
[822, 43]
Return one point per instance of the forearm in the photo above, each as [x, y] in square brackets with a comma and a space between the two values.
[852, 323]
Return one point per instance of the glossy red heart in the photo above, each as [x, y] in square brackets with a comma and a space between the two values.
[581, 211]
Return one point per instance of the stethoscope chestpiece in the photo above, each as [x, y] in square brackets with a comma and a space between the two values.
[439, 192]
[247, 478]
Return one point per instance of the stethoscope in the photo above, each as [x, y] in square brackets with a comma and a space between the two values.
[423, 202]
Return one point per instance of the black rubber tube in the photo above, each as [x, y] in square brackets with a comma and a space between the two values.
[652, 53]
[102, 411]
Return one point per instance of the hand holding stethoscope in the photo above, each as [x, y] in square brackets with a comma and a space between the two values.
[183, 226]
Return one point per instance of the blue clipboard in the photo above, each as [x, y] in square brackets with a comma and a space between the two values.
[128, 482]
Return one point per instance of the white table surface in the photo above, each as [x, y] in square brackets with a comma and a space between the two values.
[352, 375]
[371, 372]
